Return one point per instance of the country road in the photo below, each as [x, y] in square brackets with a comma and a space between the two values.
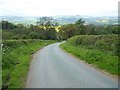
[51, 67]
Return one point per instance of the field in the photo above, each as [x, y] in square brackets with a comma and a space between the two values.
[16, 60]
[98, 50]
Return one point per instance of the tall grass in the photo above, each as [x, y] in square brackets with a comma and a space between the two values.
[16, 61]
[100, 51]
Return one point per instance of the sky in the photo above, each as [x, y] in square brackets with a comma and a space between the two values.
[58, 7]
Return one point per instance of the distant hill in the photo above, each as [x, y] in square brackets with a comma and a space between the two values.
[18, 19]
[64, 19]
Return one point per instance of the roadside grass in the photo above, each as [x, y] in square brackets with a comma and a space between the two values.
[16, 62]
[103, 60]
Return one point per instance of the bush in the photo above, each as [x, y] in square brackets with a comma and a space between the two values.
[101, 59]
[107, 43]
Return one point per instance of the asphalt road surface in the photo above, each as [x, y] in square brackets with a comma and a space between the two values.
[51, 67]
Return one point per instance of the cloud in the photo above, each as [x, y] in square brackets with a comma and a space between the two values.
[58, 7]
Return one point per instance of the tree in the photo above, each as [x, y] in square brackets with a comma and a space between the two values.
[81, 29]
[80, 22]
[47, 22]
[7, 25]
[90, 29]
[67, 31]
[33, 35]
[112, 29]
[51, 34]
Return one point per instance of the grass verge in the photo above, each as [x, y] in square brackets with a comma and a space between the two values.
[16, 62]
[100, 59]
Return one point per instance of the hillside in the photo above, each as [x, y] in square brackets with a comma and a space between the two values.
[64, 19]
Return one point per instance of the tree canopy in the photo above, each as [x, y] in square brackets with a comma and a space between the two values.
[45, 29]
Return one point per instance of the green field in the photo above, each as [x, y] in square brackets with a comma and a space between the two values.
[100, 51]
[16, 60]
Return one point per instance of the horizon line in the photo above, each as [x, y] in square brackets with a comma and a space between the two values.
[58, 15]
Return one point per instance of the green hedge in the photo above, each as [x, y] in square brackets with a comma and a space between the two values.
[99, 50]
[107, 43]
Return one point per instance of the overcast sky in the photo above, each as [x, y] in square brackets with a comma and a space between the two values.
[58, 7]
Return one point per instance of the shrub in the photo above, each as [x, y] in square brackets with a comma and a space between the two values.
[107, 43]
